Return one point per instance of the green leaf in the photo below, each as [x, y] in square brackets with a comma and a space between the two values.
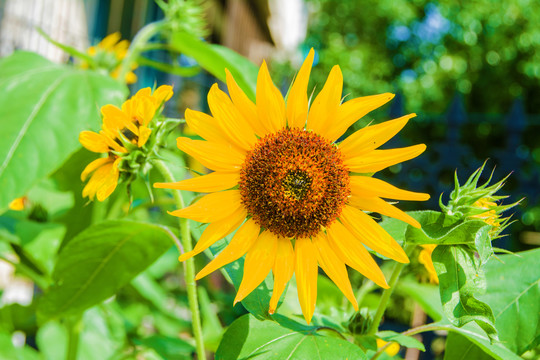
[43, 108]
[9, 351]
[460, 278]
[476, 335]
[403, 340]
[249, 338]
[168, 347]
[98, 262]
[513, 292]
[215, 59]
[441, 229]
[458, 347]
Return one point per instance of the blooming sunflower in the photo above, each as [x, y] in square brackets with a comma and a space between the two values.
[108, 54]
[294, 195]
[123, 130]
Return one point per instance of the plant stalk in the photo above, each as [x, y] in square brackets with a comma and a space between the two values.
[189, 264]
[138, 46]
[383, 304]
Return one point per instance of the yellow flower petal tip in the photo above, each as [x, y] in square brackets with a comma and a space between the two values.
[254, 148]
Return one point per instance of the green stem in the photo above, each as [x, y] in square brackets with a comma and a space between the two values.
[74, 327]
[189, 264]
[137, 46]
[386, 296]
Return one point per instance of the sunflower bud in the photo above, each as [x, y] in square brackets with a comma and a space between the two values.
[473, 201]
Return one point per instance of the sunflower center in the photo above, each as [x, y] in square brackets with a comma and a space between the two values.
[293, 183]
[296, 184]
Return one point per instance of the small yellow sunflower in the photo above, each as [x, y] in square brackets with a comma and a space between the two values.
[109, 53]
[122, 131]
[294, 195]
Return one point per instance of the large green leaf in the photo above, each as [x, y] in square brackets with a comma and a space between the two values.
[475, 334]
[98, 262]
[460, 279]
[43, 108]
[438, 228]
[249, 338]
[513, 292]
[215, 59]
[458, 347]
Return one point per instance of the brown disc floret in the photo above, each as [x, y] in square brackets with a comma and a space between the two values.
[293, 182]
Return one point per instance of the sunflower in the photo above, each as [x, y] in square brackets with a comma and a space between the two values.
[294, 195]
[108, 54]
[123, 130]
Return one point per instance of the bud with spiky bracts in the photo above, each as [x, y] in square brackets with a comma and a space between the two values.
[473, 201]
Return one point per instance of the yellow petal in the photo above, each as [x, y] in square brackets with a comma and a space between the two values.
[366, 186]
[354, 109]
[334, 267]
[93, 141]
[244, 105]
[109, 182]
[215, 156]
[283, 270]
[205, 126]
[216, 231]
[131, 78]
[231, 122]
[375, 204]
[145, 111]
[97, 180]
[207, 183]
[115, 119]
[326, 104]
[110, 40]
[306, 276]
[297, 101]
[162, 94]
[367, 231]
[144, 134]
[90, 168]
[212, 207]
[111, 142]
[259, 261]
[377, 160]
[371, 137]
[17, 204]
[353, 253]
[240, 244]
[270, 103]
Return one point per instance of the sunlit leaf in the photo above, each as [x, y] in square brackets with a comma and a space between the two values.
[460, 280]
[98, 262]
[43, 108]
[249, 338]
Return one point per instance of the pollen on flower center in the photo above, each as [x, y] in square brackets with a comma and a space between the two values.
[293, 182]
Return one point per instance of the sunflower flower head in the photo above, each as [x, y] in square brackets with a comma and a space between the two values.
[108, 55]
[294, 194]
[127, 138]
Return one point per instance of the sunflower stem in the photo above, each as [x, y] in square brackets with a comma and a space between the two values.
[138, 46]
[383, 304]
[189, 264]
